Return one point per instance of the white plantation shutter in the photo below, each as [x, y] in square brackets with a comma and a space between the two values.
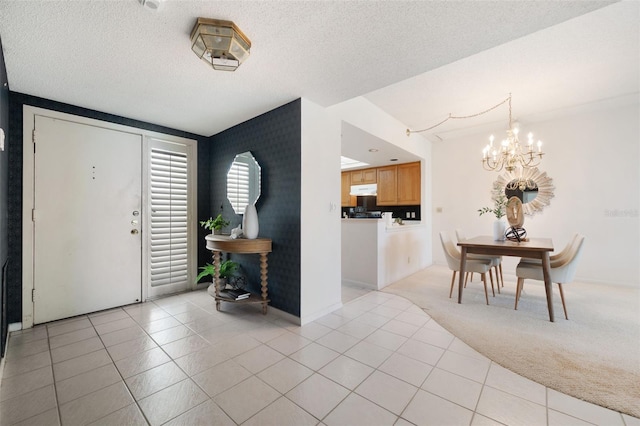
[168, 218]
[238, 178]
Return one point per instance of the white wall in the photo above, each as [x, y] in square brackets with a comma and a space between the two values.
[374, 255]
[593, 159]
[320, 213]
[368, 117]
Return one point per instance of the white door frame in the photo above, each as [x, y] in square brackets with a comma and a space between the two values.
[28, 196]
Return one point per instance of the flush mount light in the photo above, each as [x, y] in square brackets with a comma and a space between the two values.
[151, 4]
[219, 43]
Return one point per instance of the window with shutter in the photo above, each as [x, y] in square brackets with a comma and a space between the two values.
[169, 230]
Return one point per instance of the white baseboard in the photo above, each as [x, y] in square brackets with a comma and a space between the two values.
[319, 314]
[14, 326]
[284, 315]
[359, 284]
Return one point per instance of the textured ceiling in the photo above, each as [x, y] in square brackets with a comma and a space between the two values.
[417, 60]
[582, 63]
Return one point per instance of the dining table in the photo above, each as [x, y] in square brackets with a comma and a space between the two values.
[535, 248]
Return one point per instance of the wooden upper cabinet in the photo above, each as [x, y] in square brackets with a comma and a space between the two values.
[387, 186]
[347, 199]
[364, 176]
[398, 185]
[409, 184]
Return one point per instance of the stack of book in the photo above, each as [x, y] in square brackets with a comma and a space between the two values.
[235, 294]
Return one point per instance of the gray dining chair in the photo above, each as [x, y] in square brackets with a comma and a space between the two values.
[562, 271]
[452, 254]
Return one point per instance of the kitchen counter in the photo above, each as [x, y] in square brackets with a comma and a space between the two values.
[375, 255]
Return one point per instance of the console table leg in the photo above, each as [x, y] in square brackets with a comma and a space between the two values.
[263, 281]
[216, 277]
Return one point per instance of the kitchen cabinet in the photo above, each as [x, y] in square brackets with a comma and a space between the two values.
[399, 185]
[409, 184]
[364, 176]
[387, 186]
[348, 200]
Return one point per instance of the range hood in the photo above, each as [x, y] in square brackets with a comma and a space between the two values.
[370, 189]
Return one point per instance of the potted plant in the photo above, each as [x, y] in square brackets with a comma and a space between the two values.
[498, 210]
[227, 269]
[215, 225]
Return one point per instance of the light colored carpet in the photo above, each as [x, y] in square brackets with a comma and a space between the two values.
[594, 356]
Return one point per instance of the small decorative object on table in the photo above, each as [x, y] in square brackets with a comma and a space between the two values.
[236, 232]
[515, 216]
[250, 225]
[499, 205]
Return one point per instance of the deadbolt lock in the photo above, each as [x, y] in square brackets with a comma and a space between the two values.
[134, 231]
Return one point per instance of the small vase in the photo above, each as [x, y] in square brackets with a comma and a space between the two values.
[250, 225]
[499, 226]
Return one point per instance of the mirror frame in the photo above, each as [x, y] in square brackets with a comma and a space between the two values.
[545, 188]
[255, 179]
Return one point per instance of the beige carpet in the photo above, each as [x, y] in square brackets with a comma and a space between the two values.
[594, 356]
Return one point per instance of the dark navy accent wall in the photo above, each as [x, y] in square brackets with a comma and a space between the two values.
[16, 102]
[4, 188]
[274, 138]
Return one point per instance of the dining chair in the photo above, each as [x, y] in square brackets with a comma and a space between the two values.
[496, 263]
[562, 271]
[565, 251]
[452, 254]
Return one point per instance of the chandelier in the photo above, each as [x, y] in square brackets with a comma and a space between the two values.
[511, 154]
[219, 43]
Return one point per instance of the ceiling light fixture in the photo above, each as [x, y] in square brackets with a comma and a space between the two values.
[219, 43]
[511, 153]
[151, 4]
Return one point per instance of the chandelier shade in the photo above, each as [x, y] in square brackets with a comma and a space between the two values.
[220, 44]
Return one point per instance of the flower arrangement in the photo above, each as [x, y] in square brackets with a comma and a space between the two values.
[499, 202]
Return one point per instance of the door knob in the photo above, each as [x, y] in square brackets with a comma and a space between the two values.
[134, 231]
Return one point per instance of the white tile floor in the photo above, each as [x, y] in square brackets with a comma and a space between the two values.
[380, 360]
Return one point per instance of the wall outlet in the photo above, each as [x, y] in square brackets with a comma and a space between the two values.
[413, 215]
[408, 215]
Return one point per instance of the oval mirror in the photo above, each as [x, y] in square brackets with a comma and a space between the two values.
[243, 182]
[532, 186]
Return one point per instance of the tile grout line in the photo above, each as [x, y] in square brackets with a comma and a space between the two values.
[119, 373]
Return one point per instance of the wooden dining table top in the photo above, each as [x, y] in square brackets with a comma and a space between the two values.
[537, 244]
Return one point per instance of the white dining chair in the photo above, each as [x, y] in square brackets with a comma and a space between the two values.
[452, 254]
[496, 263]
[562, 271]
[563, 253]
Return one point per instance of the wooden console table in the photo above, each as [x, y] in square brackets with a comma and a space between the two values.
[261, 246]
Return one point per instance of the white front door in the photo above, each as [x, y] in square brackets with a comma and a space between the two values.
[87, 219]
